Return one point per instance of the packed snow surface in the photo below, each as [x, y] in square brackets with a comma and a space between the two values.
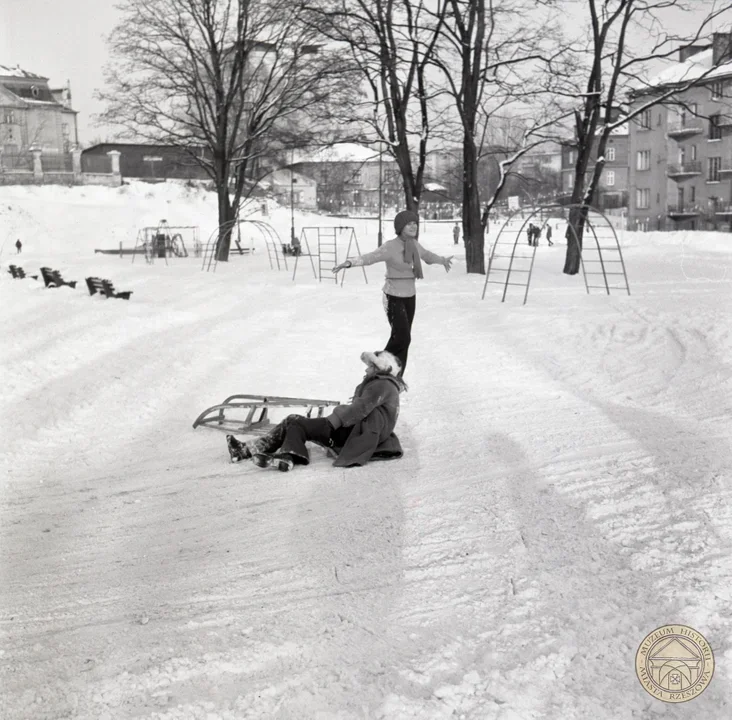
[566, 486]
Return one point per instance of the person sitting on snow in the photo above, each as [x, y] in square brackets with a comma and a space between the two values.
[358, 432]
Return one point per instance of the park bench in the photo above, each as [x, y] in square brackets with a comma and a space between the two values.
[106, 288]
[53, 278]
[18, 273]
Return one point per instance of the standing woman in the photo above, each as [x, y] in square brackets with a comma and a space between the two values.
[403, 257]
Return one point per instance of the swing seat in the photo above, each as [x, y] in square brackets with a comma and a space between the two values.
[248, 414]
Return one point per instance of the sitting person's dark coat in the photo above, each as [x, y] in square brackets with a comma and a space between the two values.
[356, 433]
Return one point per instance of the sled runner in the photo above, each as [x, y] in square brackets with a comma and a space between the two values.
[248, 414]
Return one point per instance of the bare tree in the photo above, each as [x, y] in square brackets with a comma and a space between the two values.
[494, 60]
[613, 75]
[223, 80]
[390, 44]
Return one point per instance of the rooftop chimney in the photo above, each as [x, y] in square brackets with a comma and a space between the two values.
[722, 48]
[686, 52]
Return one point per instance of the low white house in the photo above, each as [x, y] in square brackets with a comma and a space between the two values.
[294, 188]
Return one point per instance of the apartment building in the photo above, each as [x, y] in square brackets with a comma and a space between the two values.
[33, 115]
[612, 189]
[680, 171]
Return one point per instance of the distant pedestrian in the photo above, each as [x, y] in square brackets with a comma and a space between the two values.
[18, 246]
[530, 233]
[456, 233]
[537, 235]
[549, 234]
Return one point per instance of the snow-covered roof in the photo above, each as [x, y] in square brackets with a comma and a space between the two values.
[619, 130]
[691, 69]
[17, 71]
[342, 152]
[33, 101]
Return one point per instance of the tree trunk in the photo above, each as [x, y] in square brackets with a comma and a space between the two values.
[226, 224]
[472, 225]
[575, 232]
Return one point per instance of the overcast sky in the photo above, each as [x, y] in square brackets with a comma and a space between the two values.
[66, 40]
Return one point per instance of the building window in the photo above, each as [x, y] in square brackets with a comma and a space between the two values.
[715, 131]
[572, 157]
[644, 120]
[9, 117]
[692, 194]
[570, 181]
[34, 91]
[693, 152]
[643, 160]
[642, 198]
[717, 90]
[611, 154]
[713, 166]
[687, 116]
[610, 178]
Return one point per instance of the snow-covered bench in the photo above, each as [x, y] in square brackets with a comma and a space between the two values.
[53, 278]
[18, 273]
[106, 288]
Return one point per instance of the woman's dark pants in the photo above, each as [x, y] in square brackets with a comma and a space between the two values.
[400, 314]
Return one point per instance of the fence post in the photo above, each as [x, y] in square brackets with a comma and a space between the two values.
[37, 164]
[114, 157]
[76, 164]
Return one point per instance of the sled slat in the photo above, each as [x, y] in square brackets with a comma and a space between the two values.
[216, 416]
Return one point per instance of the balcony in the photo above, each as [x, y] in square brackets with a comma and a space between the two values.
[686, 210]
[687, 128]
[725, 210]
[726, 166]
[684, 170]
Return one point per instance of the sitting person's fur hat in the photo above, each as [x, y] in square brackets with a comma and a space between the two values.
[383, 361]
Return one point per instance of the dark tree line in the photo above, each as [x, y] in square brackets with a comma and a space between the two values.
[250, 80]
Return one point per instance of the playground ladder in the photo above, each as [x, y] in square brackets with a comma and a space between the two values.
[603, 266]
[510, 263]
[327, 253]
[328, 238]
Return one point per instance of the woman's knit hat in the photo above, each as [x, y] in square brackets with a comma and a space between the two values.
[383, 361]
[403, 218]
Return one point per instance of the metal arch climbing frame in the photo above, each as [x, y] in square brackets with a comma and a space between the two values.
[604, 260]
[606, 263]
[511, 260]
[271, 239]
[273, 243]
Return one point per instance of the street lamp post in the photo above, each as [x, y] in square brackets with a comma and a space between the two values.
[292, 196]
[381, 185]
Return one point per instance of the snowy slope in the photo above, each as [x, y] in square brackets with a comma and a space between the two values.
[565, 489]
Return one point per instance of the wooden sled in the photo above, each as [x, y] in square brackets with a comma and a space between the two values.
[248, 414]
